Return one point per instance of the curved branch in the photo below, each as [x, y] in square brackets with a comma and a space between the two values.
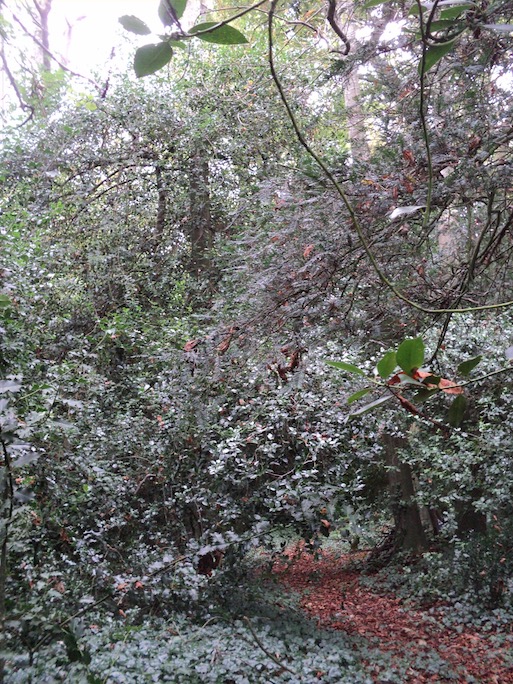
[348, 205]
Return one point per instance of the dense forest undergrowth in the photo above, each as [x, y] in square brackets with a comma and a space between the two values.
[255, 317]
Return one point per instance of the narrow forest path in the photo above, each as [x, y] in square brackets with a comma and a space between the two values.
[331, 592]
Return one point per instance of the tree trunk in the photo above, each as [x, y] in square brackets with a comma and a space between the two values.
[201, 230]
[43, 8]
[407, 520]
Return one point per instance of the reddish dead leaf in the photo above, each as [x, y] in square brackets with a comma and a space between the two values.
[138, 585]
[223, 347]
[408, 156]
[190, 345]
[308, 250]
[449, 387]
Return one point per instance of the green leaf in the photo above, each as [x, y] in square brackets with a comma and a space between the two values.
[457, 410]
[224, 35]
[134, 25]
[374, 3]
[454, 12]
[466, 366]
[358, 395]
[171, 10]
[387, 364]
[5, 302]
[177, 44]
[434, 54]
[342, 365]
[150, 58]
[371, 406]
[410, 354]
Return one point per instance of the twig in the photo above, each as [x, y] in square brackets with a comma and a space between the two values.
[268, 653]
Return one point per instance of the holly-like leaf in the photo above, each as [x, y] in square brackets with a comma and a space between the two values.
[9, 386]
[410, 354]
[358, 395]
[434, 54]
[150, 58]
[342, 365]
[387, 364]
[224, 35]
[134, 25]
[467, 366]
[171, 10]
[457, 411]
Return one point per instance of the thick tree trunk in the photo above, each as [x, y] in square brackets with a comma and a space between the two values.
[201, 229]
[407, 519]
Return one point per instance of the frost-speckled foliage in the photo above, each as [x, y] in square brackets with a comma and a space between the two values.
[215, 652]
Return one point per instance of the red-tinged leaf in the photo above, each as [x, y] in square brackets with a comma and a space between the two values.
[408, 405]
[138, 585]
[190, 345]
[449, 386]
[223, 347]
[308, 250]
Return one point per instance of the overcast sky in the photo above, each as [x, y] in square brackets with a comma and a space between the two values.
[95, 29]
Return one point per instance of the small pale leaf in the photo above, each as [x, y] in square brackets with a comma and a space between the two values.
[400, 212]
[370, 407]
[134, 25]
[499, 28]
[9, 386]
[342, 365]
[509, 353]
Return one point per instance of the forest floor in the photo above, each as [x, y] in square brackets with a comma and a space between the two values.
[331, 590]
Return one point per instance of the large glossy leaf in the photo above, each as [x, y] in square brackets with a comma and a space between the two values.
[466, 366]
[434, 54]
[342, 365]
[224, 35]
[457, 411]
[171, 10]
[150, 58]
[134, 25]
[387, 364]
[410, 354]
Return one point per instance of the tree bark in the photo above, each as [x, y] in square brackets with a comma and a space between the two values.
[201, 229]
[407, 520]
